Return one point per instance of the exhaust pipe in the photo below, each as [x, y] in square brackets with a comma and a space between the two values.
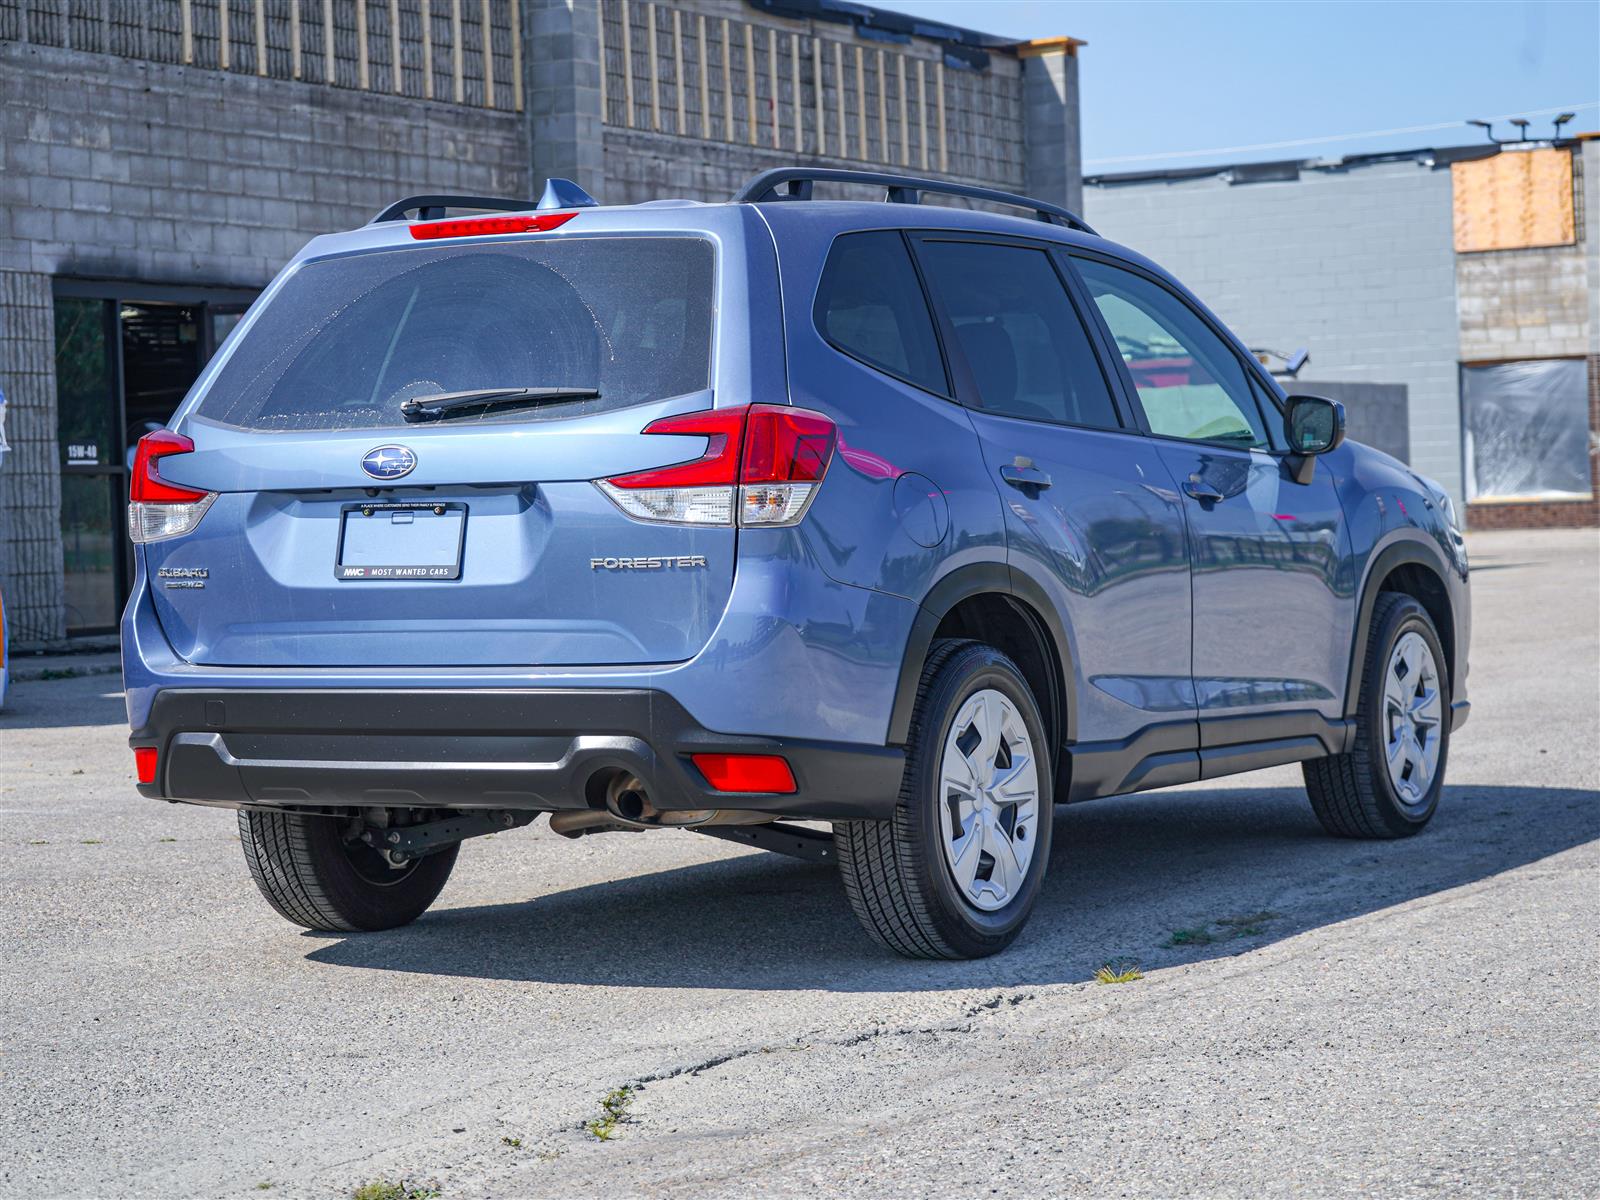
[628, 809]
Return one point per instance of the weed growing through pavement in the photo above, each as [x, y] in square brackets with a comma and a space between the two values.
[514, 1142]
[613, 1111]
[386, 1189]
[1120, 971]
[1246, 925]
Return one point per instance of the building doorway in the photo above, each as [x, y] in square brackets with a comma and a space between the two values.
[126, 354]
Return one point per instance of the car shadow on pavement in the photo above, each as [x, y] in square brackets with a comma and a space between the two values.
[1156, 880]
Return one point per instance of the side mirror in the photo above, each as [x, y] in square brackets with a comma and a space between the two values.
[1313, 424]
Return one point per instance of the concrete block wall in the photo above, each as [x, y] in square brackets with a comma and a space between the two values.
[986, 140]
[1358, 265]
[1523, 303]
[121, 162]
[30, 481]
[137, 170]
[116, 168]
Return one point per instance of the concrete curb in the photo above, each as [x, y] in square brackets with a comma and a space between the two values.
[48, 673]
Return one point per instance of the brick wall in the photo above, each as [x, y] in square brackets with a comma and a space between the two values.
[1358, 265]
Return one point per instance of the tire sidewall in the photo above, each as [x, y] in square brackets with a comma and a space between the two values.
[1408, 616]
[370, 906]
[968, 929]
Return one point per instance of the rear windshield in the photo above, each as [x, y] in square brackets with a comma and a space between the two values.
[348, 339]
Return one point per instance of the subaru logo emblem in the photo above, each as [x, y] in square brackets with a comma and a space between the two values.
[389, 462]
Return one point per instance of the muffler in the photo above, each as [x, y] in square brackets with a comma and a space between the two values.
[628, 809]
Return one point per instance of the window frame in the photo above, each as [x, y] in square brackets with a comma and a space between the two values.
[966, 392]
[817, 325]
[1272, 422]
[1468, 469]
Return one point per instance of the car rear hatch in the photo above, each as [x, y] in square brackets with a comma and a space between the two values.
[344, 534]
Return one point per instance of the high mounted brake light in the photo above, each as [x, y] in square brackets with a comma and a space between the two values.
[158, 510]
[478, 226]
[762, 465]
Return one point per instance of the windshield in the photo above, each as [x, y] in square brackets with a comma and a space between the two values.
[348, 340]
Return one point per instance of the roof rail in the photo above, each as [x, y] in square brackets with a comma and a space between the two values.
[900, 189]
[431, 208]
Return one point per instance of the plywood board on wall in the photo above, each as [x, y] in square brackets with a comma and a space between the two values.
[1515, 200]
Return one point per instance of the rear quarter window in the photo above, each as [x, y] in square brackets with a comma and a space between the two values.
[346, 340]
[870, 305]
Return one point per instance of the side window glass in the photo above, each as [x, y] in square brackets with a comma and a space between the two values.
[1190, 384]
[870, 305]
[1028, 349]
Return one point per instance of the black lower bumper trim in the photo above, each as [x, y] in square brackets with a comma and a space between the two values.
[478, 748]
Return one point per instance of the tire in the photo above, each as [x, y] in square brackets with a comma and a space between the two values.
[309, 871]
[1356, 795]
[900, 874]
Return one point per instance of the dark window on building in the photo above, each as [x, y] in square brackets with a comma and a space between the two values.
[1027, 347]
[870, 305]
[1526, 427]
[348, 339]
[1190, 383]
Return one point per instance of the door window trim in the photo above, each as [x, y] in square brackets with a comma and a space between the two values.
[966, 391]
[1272, 422]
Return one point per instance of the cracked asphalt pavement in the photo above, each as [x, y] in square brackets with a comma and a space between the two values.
[1402, 1019]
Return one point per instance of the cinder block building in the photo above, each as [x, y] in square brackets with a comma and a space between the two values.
[1466, 280]
[162, 159]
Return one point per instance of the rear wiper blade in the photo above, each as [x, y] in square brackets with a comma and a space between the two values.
[486, 400]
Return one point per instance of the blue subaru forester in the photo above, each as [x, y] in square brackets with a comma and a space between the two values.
[745, 517]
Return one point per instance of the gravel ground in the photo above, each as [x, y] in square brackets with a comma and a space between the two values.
[1410, 1018]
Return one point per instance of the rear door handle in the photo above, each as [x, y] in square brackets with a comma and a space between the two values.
[1201, 490]
[1025, 478]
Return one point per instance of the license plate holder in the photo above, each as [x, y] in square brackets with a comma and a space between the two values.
[400, 541]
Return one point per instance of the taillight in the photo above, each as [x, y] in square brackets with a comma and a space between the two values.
[746, 772]
[478, 226]
[158, 510]
[144, 763]
[761, 465]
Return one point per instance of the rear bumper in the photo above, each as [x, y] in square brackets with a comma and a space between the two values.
[512, 748]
